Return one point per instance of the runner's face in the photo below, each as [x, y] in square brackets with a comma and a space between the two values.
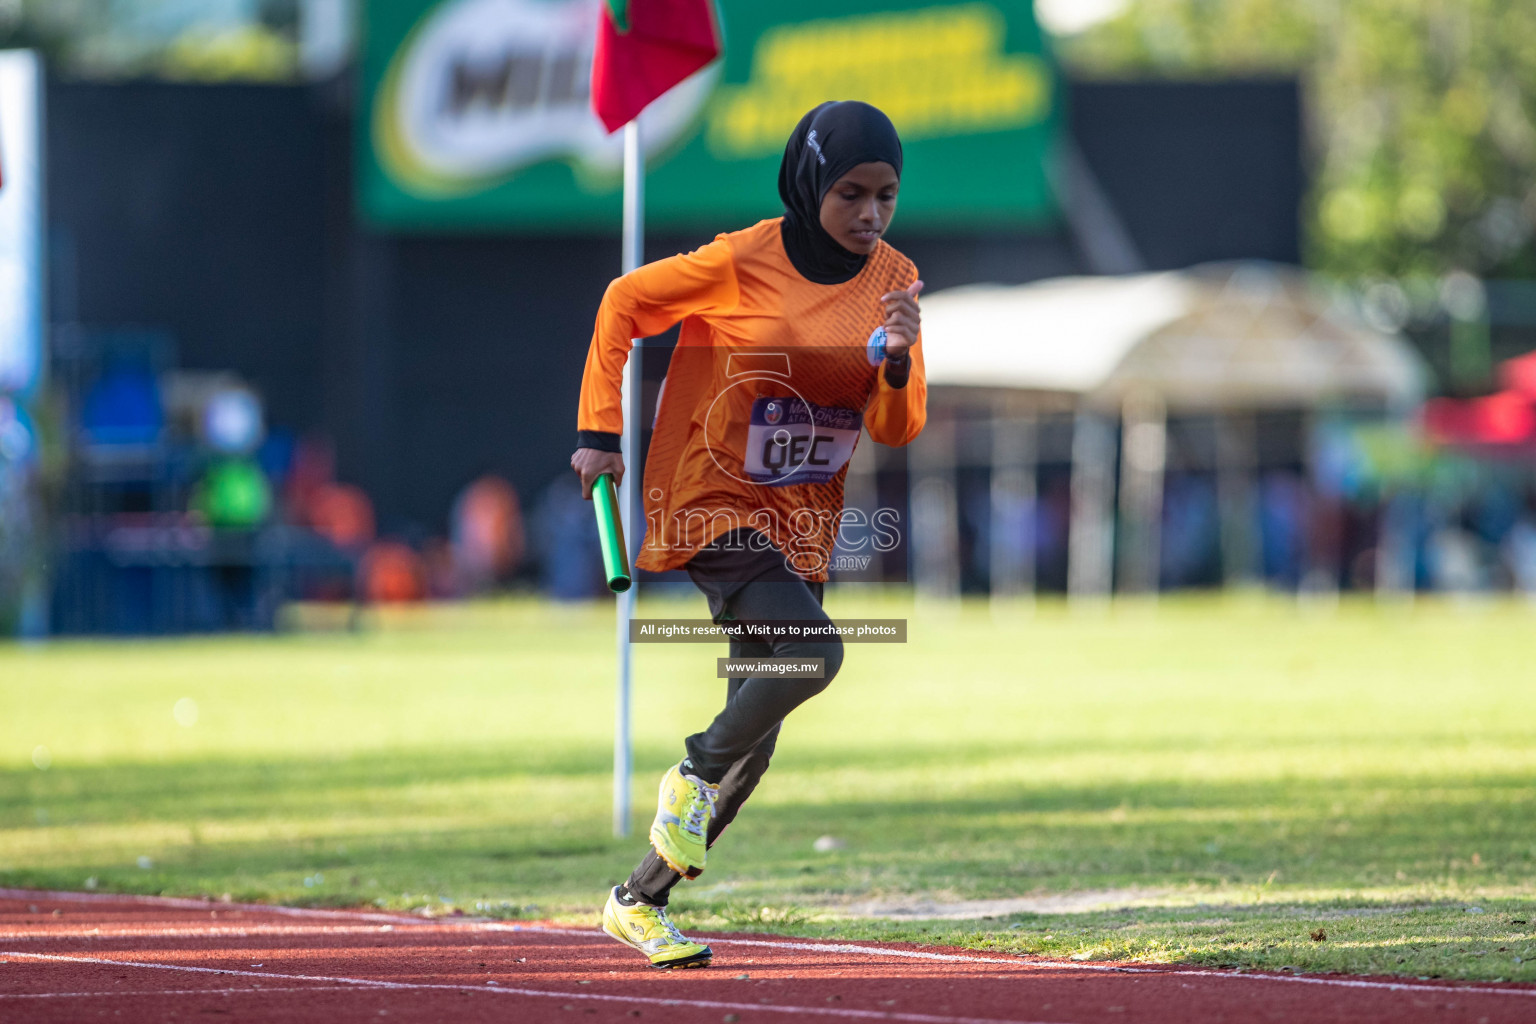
[858, 208]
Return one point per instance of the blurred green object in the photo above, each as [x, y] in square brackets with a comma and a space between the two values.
[234, 494]
[610, 531]
[1422, 114]
[189, 40]
[442, 143]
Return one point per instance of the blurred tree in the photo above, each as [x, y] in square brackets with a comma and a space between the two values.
[252, 53]
[1422, 116]
[187, 39]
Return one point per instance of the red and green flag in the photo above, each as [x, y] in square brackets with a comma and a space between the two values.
[644, 48]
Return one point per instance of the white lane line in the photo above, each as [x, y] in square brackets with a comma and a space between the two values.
[182, 903]
[44, 933]
[828, 947]
[1019, 963]
[255, 990]
[508, 990]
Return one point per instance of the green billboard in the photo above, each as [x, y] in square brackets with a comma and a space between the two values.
[475, 114]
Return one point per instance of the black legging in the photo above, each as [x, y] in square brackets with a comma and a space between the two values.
[737, 746]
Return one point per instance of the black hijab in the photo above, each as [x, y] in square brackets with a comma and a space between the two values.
[828, 142]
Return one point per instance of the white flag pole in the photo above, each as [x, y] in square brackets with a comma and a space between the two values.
[629, 489]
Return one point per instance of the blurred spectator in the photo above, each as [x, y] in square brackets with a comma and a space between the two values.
[311, 467]
[488, 538]
[233, 494]
[1053, 515]
[1455, 565]
[442, 574]
[235, 498]
[392, 573]
[570, 561]
[1191, 531]
[342, 514]
[1520, 555]
[276, 457]
[1285, 507]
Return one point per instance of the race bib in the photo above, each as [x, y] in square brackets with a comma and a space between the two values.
[793, 442]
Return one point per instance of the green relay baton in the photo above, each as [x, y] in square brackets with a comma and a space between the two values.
[610, 531]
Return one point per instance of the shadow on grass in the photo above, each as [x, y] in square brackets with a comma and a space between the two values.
[245, 787]
[549, 841]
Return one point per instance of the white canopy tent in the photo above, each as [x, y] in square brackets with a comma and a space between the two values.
[1227, 339]
[1221, 336]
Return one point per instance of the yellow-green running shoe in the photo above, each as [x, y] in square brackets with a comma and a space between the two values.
[679, 834]
[647, 929]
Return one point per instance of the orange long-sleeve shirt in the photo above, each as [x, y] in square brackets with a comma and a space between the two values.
[764, 396]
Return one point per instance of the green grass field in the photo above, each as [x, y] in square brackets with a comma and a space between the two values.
[1212, 780]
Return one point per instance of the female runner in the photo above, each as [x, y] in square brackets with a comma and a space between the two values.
[795, 332]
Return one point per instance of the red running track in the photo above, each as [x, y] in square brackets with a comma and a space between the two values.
[84, 957]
